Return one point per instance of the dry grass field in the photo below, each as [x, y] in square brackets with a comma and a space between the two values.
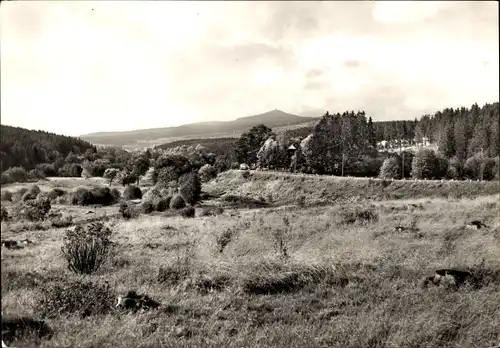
[291, 262]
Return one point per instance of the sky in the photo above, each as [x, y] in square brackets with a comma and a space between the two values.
[80, 67]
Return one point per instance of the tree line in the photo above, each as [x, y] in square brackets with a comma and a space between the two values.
[339, 144]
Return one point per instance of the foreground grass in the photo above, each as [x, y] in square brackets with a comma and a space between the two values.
[343, 284]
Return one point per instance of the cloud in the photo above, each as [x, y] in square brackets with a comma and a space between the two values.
[78, 67]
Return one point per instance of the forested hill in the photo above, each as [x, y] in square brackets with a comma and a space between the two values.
[27, 148]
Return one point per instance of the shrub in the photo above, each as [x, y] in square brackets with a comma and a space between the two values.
[129, 211]
[177, 202]
[190, 187]
[224, 239]
[15, 174]
[18, 195]
[97, 195]
[81, 297]
[4, 215]
[102, 196]
[56, 192]
[391, 169]
[116, 194]
[81, 196]
[35, 210]
[32, 193]
[359, 215]
[487, 171]
[472, 167]
[162, 204]
[127, 178]
[35, 174]
[164, 176]
[132, 192]
[5, 179]
[6, 196]
[147, 207]
[86, 248]
[207, 173]
[301, 201]
[188, 212]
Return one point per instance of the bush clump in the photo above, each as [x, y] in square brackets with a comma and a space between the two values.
[97, 195]
[190, 187]
[359, 215]
[35, 210]
[147, 207]
[102, 196]
[162, 204]
[6, 196]
[32, 193]
[81, 297]
[129, 211]
[81, 196]
[132, 192]
[4, 214]
[87, 247]
[188, 212]
[14, 174]
[177, 202]
[55, 193]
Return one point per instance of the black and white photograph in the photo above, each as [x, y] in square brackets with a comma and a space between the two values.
[250, 174]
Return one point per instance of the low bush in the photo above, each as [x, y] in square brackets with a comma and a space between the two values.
[14, 174]
[81, 196]
[97, 195]
[188, 212]
[116, 194]
[18, 195]
[162, 204]
[56, 192]
[4, 214]
[132, 192]
[81, 297]
[32, 193]
[223, 239]
[6, 196]
[147, 207]
[177, 202]
[129, 211]
[102, 196]
[359, 215]
[87, 247]
[190, 187]
[35, 210]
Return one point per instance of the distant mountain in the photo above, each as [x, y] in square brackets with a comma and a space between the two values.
[27, 148]
[217, 129]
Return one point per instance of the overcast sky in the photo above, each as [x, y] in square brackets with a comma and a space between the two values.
[80, 67]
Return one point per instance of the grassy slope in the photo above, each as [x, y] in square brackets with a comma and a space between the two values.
[285, 188]
[381, 306]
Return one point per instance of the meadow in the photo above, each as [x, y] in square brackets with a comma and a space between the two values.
[289, 261]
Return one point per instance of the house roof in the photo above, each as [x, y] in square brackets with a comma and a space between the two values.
[292, 147]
